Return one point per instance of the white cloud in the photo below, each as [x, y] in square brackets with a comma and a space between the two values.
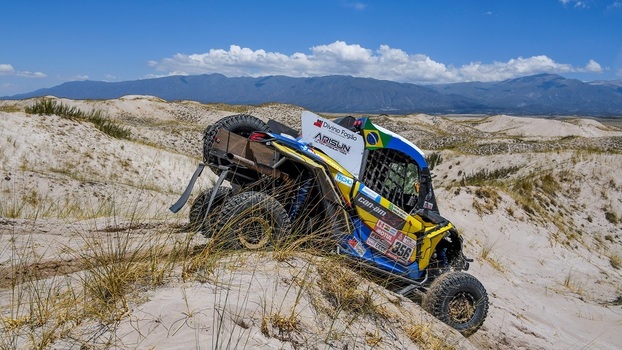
[340, 58]
[356, 5]
[514, 67]
[577, 3]
[79, 77]
[587, 4]
[592, 67]
[7, 69]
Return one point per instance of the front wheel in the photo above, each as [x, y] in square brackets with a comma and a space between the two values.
[252, 220]
[459, 300]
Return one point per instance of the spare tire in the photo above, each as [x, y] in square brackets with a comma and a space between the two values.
[251, 220]
[459, 300]
[198, 211]
[241, 124]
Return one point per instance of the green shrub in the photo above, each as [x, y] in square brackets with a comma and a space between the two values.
[107, 126]
[434, 159]
[485, 176]
[101, 122]
[49, 107]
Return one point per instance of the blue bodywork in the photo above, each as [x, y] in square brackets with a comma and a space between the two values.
[361, 234]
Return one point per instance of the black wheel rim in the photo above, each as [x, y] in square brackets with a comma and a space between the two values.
[254, 232]
[461, 308]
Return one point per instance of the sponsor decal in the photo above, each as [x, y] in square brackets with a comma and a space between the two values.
[337, 130]
[384, 235]
[370, 193]
[378, 244]
[344, 179]
[378, 211]
[394, 220]
[392, 256]
[382, 226]
[400, 236]
[371, 207]
[357, 246]
[409, 242]
[397, 210]
[332, 143]
[395, 244]
[340, 144]
[428, 205]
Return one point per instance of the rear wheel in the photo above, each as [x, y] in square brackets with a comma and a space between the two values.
[198, 211]
[459, 300]
[240, 124]
[252, 220]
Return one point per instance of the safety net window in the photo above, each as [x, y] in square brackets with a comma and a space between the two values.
[392, 174]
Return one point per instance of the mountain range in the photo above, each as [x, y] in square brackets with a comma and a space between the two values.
[542, 94]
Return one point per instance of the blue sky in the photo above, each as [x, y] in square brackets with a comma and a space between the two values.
[47, 42]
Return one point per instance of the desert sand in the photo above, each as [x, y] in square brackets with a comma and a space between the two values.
[545, 233]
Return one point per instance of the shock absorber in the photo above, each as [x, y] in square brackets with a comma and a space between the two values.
[301, 197]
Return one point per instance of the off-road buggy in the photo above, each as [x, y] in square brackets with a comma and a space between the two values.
[367, 187]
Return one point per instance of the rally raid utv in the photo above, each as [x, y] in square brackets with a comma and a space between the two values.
[368, 188]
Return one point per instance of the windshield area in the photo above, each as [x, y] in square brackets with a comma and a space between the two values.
[394, 175]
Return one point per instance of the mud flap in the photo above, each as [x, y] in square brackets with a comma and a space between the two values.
[184, 197]
[221, 178]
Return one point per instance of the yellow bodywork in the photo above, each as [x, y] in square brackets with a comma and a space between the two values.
[426, 235]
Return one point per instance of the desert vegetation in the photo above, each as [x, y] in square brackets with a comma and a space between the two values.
[101, 122]
[99, 294]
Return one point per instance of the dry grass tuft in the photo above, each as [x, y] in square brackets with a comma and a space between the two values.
[373, 339]
[486, 200]
[611, 216]
[615, 261]
[422, 335]
[341, 287]
[285, 324]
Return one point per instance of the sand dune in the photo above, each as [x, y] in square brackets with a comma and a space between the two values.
[543, 224]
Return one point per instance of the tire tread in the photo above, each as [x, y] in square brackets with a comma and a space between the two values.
[448, 284]
[238, 204]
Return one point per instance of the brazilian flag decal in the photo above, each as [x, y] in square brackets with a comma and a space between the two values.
[374, 138]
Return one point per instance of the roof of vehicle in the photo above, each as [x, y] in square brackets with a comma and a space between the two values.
[376, 137]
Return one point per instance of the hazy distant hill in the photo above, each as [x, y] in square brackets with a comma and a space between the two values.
[543, 94]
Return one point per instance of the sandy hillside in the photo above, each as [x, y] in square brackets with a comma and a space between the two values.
[539, 202]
